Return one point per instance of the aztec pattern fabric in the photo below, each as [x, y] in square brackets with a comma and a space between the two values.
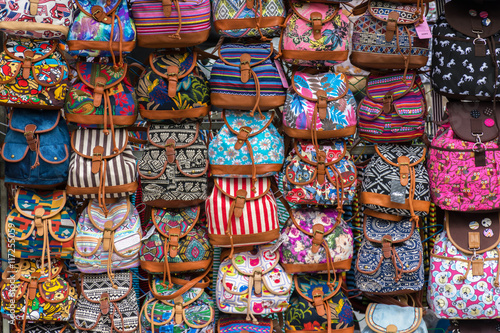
[33, 73]
[173, 87]
[41, 224]
[102, 28]
[236, 215]
[45, 328]
[326, 176]
[246, 146]
[181, 236]
[101, 98]
[41, 293]
[171, 23]
[396, 182]
[314, 307]
[404, 319]
[390, 260]
[36, 148]
[108, 242]
[47, 19]
[387, 30]
[253, 282]
[306, 237]
[246, 77]
[174, 166]
[321, 103]
[101, 308]
[235, 323]
[394, 108]
[237, 18]
[315, 34]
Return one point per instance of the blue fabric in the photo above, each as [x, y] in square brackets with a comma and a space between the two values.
[406, 319]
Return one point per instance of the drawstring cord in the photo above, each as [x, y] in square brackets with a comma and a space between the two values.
[179, 15]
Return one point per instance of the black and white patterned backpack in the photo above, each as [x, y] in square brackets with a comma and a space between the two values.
[44, 328]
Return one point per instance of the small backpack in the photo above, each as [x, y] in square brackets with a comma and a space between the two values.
[173, 87]
[402, 319]
[171, 23]
[315, 34]
[394, 108]
[44, 328]
[235, 323]
[34, 74]
[36, 149]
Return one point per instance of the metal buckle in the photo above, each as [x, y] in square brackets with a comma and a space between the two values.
[244, 130]
[240, 197]
[103, 298]
[318, 232]
[28, 133]
[94, 14]
[170, 144]
[479, 145]
[96, 154]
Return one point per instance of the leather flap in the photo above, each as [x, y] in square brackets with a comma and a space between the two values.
[305, 219]
[122, 279]
[408, 13]
[84, 140]
[229, 186]
[457, 15]
[183, 219]
[392, 152]
[261, 257]
[406, 319]
[306, 85]
[305, 9]
[237, 323]
[27, 202]
[464, 124]
[44, 120]
[375, 229]
[88, 72]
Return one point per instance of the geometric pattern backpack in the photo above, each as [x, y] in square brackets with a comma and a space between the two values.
[44, 328]
[392, 318]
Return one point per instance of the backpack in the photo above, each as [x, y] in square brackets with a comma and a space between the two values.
[47, 19]
[315, 34]
[392, 318]
[102, 97]
[394, 108]
[108, 242]
[171, 23]
[464, 269]
[34, 74]
[246, 77]
[36, 149]
[464, 61]
[106, 306]
[173, 168]
[235, 323]
[396, 183]
[322, 175]
[44, 328]
[319, 105]
[256, 18]
[246, 146]
[385, 37]
[173, 87]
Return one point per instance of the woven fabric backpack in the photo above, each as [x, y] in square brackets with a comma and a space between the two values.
[315, 34]
[173, 87]
[44, 328]
[33, 74]
[232, 323]
[408, 319]
[171, 23]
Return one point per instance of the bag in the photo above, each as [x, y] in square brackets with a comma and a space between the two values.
[36, 149]
[235, 323]
[102, 97]
[396, 183]
[463, 168]
[173, 87]
[259, 272]
[389, 318]
[33, 74]
[102, 166]
[385, 37]
[394, 108]
[462, 63]
[325, 178]
[108, 242]
[256, 18]
[319, 106]
[315, 307]
[44, 328]
[390, 259]
[171, 23]
[246, 77]
[47, 19]
[464, 269]
[246, 146]
[106, 306]
[238, 216]
[315, 34]
[173, 168]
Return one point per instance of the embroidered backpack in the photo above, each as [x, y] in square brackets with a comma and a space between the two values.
[33, 73]
[105, 306]
[323, 175]
[36, 149]
[171, 23]
[253, 282]
[319, 105]
[173, 168]
[396, 183]
[102, 97]
[173, 87]
[394, 108]
[246, 146]
[235, 323]
[383, 317]
[246, 77]
[47, 19]
[315, 34]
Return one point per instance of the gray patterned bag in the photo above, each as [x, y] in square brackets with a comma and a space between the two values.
[44, 328]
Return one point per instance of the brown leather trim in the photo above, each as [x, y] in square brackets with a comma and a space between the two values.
[313, 72]
[308, 20]
[330, 134]
[163, 41]
[368, 61]
[36, 132]
[410, 74]
[79, 191]
[306, 268]
[82, 292]
[107, 86]
[33, 26]
[233, 197]
[115, 225]
[325, 297]
[252, 133]
[8, 160]
[226, 101]
[90, 15]
[376, 328]
[383, 216]
[165, 76]
[259, 238]
[45, 217]
[405, 22]
[175, 114]
[334, 330]
[244, 169]
[58, 300]
[160, 203]
[380, 241]
[153, 219]
[120, 150]
[315, 55]
[159, 267]
[148, 136]
[384, 200]
[271, 51]
[98, 119]
[201, 281]
[248, 23]
[75, 45]
[420, 160]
